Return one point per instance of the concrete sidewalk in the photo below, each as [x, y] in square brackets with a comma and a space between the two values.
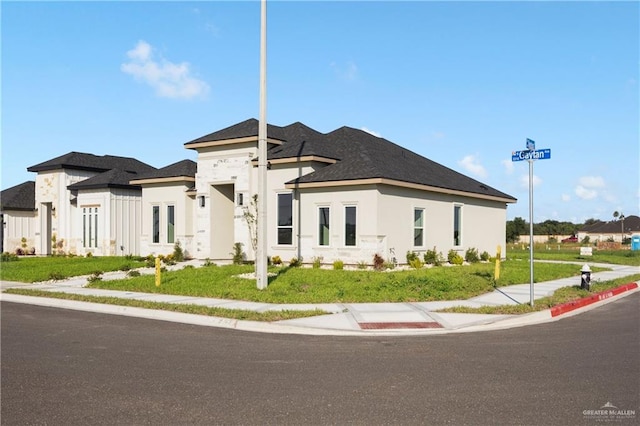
[341, 319]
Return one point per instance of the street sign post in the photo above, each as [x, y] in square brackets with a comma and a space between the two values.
[531, 154]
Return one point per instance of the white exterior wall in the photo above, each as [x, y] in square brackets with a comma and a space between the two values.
[482, 222]
[94, 198]
[164, 195]
[18, 225]
[55, 215]
[306, 221]
[125, 222]
[230, 165]
[302, 225]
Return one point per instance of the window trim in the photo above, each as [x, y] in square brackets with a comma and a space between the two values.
[328, 225]
[421, 228]
[355, 225]
[457, 225]
[155, 226]
[289, 227]
[171, 223]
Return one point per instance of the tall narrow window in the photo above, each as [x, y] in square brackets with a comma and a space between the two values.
[285, 219]
[89, 227]
[350, 226]
[457, 225]
[171, 222]
[418, 227]
[84, 227]
[95, 227]
[156, 224]
[323, 226]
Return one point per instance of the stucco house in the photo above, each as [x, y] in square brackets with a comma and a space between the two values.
[344, 195]
[17, 217]
[619, 230]
[85, 204]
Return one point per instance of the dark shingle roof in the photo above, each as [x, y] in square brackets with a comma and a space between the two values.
[248, 128]
[186, 168]
[360, 155]
[114, 178]
[631, 224]
[19, 197]
[90, 162]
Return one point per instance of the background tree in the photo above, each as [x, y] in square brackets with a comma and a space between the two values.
[515, 228]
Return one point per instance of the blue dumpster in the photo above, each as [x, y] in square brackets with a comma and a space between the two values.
[635, 242]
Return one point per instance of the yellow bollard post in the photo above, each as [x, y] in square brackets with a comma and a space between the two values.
[498, 256]
[158, 272]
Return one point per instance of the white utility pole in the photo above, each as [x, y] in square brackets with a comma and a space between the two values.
[261, 255]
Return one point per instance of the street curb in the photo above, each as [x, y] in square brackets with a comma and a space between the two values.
[580, 303]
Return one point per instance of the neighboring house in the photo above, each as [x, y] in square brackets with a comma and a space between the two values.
[85, 204]
[345, 195]
[168, 203]
[616, 230]
[17, 218]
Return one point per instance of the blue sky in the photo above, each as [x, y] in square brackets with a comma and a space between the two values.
[461, 83]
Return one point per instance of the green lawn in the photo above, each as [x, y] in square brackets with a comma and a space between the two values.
[33, 269]
[300, 285]
[306, 285]
[571, 253]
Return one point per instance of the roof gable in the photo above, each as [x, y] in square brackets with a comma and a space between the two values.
[114, 178]
[358, 155]
[19, 197]
[91, 162]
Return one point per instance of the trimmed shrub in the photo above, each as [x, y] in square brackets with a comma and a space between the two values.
[433, 257]
[378, 262]
[411, 256]
[416, 263]
[471, 255]
[454, 258]
[295, 262]
[485, 256]
[317, 262]
[178, 254]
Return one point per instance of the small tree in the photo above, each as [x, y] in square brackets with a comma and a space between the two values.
[250, 216]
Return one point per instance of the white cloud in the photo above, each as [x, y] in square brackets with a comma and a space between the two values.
[566, 198]
[508, 166]
[371, 132]
[472, 165]
[347, 72]
[524, 181]
[586, 193]
[592, 181]
[169, 80]
[588, 186]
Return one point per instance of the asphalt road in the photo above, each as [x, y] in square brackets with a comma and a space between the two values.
[62, 367]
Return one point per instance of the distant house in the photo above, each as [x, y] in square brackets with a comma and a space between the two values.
[344, 195]
[17, 217]
[85, 204]
[615, 230]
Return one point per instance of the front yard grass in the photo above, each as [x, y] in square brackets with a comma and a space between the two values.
[308, 285]
[32, 269]
[560, 296]
[239, 314]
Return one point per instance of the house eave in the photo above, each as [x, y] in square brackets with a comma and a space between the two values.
[297, 160]
[222, 142]
[402, 184]
[172, 179]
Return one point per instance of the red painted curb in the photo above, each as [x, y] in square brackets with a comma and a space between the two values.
[570, 306]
